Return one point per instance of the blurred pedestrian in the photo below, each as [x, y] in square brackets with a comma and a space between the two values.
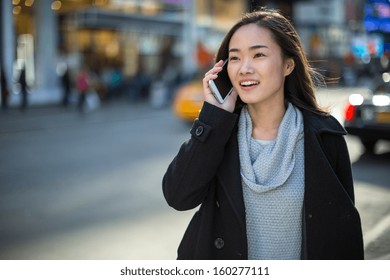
[82, 85]
[23, 88]
[269, 168]
[66, 86]
[4, 91]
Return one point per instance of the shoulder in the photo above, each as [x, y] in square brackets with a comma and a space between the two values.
[328, 131]
[322, 123]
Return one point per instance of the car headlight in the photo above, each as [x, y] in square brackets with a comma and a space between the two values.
[381, 100]
[356, 99]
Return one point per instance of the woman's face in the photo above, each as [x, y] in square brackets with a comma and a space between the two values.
[256, 66]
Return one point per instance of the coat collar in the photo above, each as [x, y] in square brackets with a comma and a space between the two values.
[322, 123]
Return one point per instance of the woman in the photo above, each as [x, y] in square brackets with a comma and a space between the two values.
[269, 168]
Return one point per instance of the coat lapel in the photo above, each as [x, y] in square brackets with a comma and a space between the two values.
[331, 223]
[230, 179]
[321, 182]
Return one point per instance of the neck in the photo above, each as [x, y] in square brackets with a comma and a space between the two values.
[266, 120]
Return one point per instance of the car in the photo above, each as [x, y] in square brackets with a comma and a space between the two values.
[368, 117]
[188, 100]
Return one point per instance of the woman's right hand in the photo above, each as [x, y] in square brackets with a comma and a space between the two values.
[212, 74]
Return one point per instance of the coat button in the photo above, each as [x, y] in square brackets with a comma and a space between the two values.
[199, 131]
[219, 243]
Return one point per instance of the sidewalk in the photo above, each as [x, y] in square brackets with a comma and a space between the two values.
[38, 97]
[63, 196]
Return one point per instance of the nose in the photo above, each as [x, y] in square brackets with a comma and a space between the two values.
[246, 67]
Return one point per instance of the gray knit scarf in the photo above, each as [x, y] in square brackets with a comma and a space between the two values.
[277, 160]
[273, 187]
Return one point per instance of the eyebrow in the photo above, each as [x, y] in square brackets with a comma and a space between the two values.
[255, 47]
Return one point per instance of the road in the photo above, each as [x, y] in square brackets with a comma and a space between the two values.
[89, 186]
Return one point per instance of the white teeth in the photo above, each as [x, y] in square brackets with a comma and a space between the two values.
[249, 83]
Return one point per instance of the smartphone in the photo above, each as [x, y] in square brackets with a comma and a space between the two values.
[221, 87]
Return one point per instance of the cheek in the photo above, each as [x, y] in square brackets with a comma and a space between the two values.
[276, 70]
[232, 70]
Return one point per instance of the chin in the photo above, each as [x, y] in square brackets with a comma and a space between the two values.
[249, 99]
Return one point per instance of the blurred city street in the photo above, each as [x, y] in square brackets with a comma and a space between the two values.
[88, 186]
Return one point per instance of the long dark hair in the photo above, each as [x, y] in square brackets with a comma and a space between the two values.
[299, 88]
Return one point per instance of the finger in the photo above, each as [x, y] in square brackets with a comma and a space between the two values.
[219, 63]
[206, 87]
[217, 68]
[209, 77]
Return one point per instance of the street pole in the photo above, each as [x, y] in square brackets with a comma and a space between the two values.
[46, 45]
[7, 48]
[189, 35]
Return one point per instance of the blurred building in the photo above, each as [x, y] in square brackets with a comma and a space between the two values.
[347, 39]
[121, 39]
[126, 37]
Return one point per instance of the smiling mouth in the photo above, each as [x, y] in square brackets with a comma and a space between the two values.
[249, 83]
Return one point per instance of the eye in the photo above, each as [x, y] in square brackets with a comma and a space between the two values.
[233, 58]
[259, 55]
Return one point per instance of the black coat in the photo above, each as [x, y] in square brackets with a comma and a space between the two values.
[206, 172]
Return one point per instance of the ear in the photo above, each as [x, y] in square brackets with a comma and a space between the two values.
[289, 66]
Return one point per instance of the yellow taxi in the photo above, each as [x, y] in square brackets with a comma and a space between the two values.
[188, 100]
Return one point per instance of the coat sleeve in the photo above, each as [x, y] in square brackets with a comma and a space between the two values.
[188, 177]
